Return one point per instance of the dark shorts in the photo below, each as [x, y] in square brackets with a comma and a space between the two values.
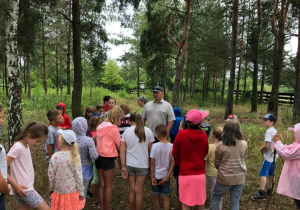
[297, 203]
[266, 169]
[161, 189]
[105, 163]
[2, 202]
[133, 171]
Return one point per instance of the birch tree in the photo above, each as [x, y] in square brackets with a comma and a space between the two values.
[14, 74]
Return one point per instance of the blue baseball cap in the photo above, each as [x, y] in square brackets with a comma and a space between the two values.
[269, 117]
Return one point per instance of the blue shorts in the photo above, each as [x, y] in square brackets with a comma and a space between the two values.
[266, 169]
[161, 189]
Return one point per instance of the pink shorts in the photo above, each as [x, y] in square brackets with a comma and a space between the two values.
[192, 189]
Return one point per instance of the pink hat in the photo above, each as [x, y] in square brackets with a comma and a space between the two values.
[195, 116]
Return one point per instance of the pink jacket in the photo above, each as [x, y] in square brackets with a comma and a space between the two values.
[108, 140]
[289, 182]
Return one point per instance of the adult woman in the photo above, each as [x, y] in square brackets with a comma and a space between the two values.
[108, 141]
[189, 150]
[135, 148]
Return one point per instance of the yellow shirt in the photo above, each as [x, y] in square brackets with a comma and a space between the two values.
[210, 169]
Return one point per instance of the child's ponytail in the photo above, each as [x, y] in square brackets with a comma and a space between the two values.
[75, 154]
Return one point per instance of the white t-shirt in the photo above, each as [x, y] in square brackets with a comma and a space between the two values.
[162, 153]
[269, 153]
[3, 164]
[137, 154]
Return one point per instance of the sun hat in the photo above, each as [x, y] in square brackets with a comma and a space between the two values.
[269, 117]
[195, 116]
[157, 89]
[142, 98]
[295, 128]
[69, 136]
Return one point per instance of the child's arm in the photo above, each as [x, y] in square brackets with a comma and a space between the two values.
[123, 159]
[152, 164]
[19, 189]
[51, 175]
[288, 152]
[68, 123]
[265, 146]
[50, 150]
[167, 178]
[4, 187]
[92, 149]
[218, 156]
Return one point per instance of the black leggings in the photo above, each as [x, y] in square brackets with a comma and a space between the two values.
[297, 203]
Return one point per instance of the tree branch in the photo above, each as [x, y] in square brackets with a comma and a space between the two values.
[168, 32]
[65, 16]
[274, 18]
[172, 56]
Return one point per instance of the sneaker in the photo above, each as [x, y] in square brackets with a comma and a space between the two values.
[96, 205]
[260, 196]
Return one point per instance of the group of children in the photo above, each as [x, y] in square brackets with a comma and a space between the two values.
[86, 155]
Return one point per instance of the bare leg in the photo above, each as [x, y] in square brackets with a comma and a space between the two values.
[131, 192]
[139, 191]
[200, 207]
[108, 182]
[156, 202]
[166, 199]
[263, 181]
[95, 193]
[24, 207]
[101, 187]
[186, 207]
[271, 180]
[42, 206]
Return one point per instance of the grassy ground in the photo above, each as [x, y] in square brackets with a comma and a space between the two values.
[251, 127]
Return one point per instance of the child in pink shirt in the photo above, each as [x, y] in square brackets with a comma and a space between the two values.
[108, 144]
[289, 182]
[21, 167]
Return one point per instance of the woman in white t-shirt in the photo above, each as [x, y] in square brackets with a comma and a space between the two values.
[135, 149]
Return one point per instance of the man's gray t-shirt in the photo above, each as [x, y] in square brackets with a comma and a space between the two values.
[51, 139]
[3, 163]
[269, 153]
[158, 113]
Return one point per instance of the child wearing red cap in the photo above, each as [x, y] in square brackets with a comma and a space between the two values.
[189, 150]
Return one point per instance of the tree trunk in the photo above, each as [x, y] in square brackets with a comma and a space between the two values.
[182, 49]
[245, 81]
[138, 79]
[77, 90]
[14, 74]
[56, 67]
[224, 79]
[278, 52]
[44, 61]
[296, 108]
[234, 22]
[241, 56]
[69, 58]
[28, 77]
[24, 73]
[256, 41]
[6, 77]
[187, 77]
[262, 84]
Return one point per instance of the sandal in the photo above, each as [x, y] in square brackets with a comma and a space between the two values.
[96, 205]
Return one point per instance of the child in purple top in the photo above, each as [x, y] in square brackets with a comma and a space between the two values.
[87, 149]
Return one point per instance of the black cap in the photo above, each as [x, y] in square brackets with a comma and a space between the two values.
[142, 98]
[157, 89]
[269, 117]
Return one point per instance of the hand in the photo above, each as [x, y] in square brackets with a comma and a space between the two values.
[81, 198]
[124, 173]
[9, 187]
[154, 182]
[276, 137]
[262, 149]
[19, 190]
[164, 181]
[175, 177]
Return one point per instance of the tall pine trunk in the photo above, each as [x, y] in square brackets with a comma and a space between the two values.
[14, 73]
[262, 83]
[77, 89]
[28, 77]
[245, 81]
[44, 59]
[234, 23]
[56, 67]
[296, 108]
[281, 13]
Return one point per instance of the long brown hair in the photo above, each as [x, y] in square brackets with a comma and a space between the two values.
[231, 133]
[139, 126]
[34, 129]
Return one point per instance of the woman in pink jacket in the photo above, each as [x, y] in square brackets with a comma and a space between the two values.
[289, 182]
[108, 144]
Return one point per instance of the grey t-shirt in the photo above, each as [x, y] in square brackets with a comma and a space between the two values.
[158, 113]
[51, 139]
[269, 153]
[3, 163]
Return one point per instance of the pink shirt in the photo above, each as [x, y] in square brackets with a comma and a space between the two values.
[21, 169]
[108, 140]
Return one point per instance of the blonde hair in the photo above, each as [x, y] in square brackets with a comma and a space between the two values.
[74, 150]
[114, 114]
[217, 132]
[139, 126]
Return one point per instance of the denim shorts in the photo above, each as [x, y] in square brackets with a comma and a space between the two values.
[161, 189]
[133, 171]
[32, 198]
[266, 169]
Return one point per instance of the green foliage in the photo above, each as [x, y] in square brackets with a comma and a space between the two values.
[112, 78]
